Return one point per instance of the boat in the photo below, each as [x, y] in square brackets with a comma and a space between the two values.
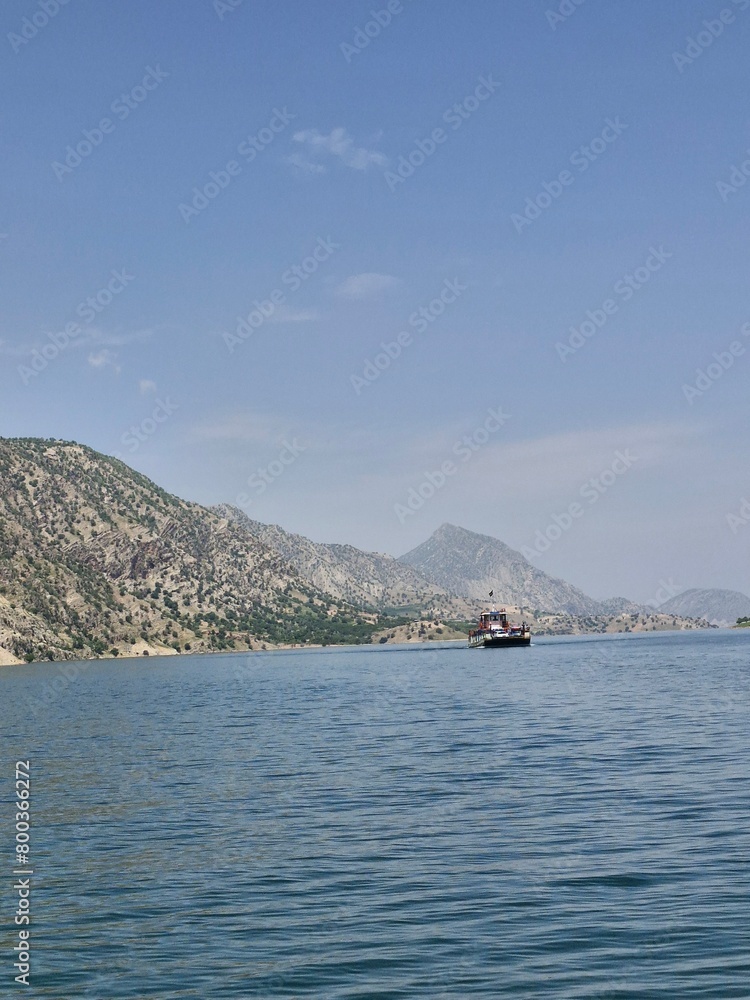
[494, 629]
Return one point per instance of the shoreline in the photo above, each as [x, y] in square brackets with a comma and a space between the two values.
[8, 660]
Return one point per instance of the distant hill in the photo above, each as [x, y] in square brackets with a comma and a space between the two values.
[472, 565]
[721, 607]
[363, 578]
[95, 558]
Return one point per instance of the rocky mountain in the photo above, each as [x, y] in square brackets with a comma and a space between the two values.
[369, 579]
[472, 565]
[95, 559]
[381, 582]
[721, 607]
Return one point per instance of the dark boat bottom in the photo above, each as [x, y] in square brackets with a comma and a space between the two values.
[492, 643]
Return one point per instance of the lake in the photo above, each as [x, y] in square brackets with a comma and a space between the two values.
[570, 820]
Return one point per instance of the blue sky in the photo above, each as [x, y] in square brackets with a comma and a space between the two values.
[555, 168]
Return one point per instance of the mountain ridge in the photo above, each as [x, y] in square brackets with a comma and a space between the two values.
[96, 558]
[368, 578]
[718, 606]
[471, 564]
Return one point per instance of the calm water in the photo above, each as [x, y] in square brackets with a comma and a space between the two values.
[569, 820]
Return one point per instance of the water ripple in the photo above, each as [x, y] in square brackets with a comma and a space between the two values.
[564, 821]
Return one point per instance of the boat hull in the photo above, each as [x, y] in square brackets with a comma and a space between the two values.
[495, 641]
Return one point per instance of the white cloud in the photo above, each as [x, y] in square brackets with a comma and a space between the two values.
[362, 286]
[146, 385]
[307, 166]
[337, 143]
[104, 359]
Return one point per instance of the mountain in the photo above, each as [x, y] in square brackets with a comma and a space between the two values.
[721, 607]
[95, 558]
[349, 574]
[472, 565]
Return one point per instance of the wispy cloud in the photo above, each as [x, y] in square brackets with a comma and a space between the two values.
[88, 337]
[286, 314]
[546, 469]
[363, 286]
[245, 428]
[117, 339]
[146, 385]
[13, 350]
[338, 143]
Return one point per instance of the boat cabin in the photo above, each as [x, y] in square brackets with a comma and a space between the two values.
[493, 620]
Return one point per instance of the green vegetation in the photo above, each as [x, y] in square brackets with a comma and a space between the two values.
[94, 557]
[408, 612]
[460, 625]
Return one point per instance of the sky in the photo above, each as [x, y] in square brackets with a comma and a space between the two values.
[363, 268]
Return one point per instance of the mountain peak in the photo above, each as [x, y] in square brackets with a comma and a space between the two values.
[722, 607]
[465, 562]
[371, 579]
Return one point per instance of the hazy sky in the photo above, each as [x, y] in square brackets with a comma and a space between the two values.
[466, 183]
